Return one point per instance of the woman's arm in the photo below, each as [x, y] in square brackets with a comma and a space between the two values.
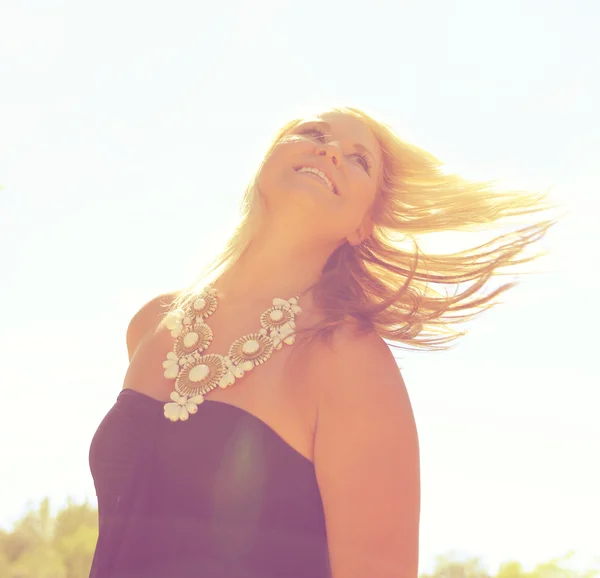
[367, 460]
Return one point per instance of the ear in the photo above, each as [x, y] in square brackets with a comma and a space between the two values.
[363, 231]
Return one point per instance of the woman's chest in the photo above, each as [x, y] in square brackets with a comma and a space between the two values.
[274, 392]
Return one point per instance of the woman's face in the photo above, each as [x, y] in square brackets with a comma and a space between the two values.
[349, 158]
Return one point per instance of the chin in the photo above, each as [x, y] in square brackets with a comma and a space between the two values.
[309, 199]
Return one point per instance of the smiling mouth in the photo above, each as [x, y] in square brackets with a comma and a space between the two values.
[318, 178]
[330, 187]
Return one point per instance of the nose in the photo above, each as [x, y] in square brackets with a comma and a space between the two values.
[331, 151]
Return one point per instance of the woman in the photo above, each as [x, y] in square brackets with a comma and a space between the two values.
[264, 429]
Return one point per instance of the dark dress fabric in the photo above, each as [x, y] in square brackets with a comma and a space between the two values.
[220, 495]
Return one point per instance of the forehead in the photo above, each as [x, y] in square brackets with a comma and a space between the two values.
[345, 124]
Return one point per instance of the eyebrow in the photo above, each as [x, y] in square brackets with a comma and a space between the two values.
[357, 145]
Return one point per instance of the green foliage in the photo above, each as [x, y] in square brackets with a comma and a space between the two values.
[448, 567]
[43, 546]
[451, 567]
[42, 561]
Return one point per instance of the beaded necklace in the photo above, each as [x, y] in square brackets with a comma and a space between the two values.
[196, 373]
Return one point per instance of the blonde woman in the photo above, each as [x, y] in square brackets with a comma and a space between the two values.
[264, 428]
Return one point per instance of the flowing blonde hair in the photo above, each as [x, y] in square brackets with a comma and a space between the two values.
[387, 283]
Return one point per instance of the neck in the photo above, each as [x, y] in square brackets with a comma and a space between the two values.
[274, 265]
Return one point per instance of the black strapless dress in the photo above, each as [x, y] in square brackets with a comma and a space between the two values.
[218, 496]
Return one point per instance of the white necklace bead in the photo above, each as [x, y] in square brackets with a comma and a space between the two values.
[276, 315]
[251, 347]
[190, 339]
[199, 373]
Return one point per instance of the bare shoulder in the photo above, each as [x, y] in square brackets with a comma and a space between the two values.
[360, 363]
[358, 376]
[366, 457]
[147, 318]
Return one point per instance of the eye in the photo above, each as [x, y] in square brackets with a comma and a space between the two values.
[320, 137]
[363, 159]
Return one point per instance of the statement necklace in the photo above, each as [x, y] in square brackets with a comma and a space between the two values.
[195, 373]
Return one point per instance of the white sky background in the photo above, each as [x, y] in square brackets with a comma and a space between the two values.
[127, 133]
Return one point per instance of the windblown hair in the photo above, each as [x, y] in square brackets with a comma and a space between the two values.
[385, 283]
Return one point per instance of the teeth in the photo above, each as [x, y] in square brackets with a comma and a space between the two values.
[319, 174]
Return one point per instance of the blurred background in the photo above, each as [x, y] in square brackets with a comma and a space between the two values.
[128, 131]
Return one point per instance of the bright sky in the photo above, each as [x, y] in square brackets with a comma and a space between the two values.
[127, 133]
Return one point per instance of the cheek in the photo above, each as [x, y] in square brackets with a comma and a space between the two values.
[362, 202]
[267, 181]
[271, 172]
